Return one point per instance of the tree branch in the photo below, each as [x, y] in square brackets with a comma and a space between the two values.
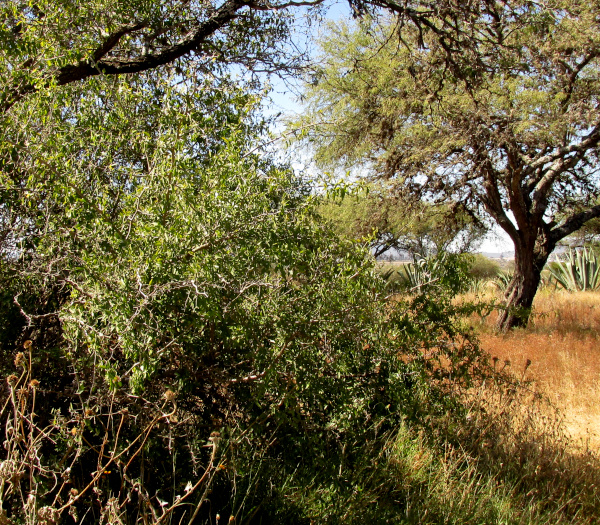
[267, 6]
[114, 66]
[590, 141]
[516, 195]
[574, 73]
[97, 65]
[114, 39]
[542, 188]
[573, 223]
[491, 199]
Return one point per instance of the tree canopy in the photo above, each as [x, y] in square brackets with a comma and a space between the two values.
[46, 44]
[515, 140]
[391, 223]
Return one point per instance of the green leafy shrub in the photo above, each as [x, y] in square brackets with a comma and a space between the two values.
[483, 268]
[185, 326]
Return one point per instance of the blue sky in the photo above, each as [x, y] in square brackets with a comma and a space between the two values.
[284, 99]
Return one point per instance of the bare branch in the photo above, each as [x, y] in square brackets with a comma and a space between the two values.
[574, 73]
[574, 223]
[113, 40]
[268, 6]
[590, 141]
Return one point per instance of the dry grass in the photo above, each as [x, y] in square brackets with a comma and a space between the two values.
[517, 436]
[510, 457]
[563, 347]
[514, 456]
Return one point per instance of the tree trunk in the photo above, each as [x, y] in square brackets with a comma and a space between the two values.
[529, 262]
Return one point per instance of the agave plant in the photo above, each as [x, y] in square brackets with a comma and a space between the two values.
[477, 286]
[578, 271]
[445, 272]
[415, 274]
[503, 280]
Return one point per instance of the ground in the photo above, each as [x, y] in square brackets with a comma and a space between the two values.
[562, 343]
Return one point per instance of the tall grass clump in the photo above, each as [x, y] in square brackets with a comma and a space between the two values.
[504, 460]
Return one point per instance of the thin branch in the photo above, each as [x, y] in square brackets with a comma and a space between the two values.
[590, 141]
[268, 6]
[113, 40]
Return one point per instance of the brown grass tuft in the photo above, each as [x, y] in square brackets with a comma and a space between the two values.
[563, 348]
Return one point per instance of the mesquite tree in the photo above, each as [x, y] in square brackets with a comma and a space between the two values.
[48, 44]
[393, 225]
[514, 137]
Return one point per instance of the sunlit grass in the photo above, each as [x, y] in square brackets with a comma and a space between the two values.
[562, 345]
[515, 452]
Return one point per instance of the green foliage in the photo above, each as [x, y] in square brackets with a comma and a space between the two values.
[483, 268]
[395, 106]
[390, 222]
[579, 270]
[45, 45]
[182, 306]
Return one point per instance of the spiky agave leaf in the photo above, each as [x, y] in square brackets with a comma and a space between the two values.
[579, 271]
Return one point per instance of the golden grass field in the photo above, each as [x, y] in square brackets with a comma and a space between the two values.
[562, 343]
